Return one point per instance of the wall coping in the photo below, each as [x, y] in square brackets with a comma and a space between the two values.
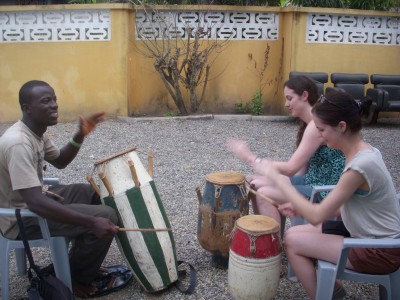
[111, 6]
[128, 6]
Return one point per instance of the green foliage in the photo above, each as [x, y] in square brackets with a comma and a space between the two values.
[316, 3]
[242, 108]
[84, 2]
[257, 104]
[172, 113]
[254, 107]
[354, 4]
[372, 4]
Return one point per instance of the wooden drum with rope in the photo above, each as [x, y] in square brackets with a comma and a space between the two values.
[145, 237]
[224, 200]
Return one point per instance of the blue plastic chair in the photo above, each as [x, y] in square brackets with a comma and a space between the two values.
[327, 273]
[58, 247]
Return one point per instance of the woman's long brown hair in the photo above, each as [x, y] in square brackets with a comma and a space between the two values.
[300, 84]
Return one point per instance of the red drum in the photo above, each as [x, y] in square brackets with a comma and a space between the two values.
[254, 258]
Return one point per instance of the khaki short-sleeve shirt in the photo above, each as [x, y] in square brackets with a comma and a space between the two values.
[22, 156]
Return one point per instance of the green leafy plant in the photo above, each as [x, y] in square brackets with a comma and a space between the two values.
[242, 108]
[372, 4]
[315, 3]
[172, 113]
[354, 4]
[257, 104]
[82, 2]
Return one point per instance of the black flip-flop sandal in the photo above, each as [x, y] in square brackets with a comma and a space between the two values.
[111, 282]
[109, 270]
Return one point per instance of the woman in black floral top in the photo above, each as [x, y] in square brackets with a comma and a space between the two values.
[313, 163]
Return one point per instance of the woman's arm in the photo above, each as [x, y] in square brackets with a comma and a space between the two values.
[310, 142]
[298, 162]
[348, 183]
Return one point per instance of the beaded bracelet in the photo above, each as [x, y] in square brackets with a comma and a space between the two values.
[75, 144]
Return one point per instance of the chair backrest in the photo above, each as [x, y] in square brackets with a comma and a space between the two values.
[354, 84]
[320, 78]
[389, 83]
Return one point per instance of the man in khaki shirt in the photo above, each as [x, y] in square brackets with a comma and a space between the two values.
[24, 148]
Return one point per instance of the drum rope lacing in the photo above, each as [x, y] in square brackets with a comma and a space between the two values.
[255, 234]
[218, 190]
[253, 238]
[253, 247]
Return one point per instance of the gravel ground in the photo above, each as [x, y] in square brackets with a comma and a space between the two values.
[185, 152]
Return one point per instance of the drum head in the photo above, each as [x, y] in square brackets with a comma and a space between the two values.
[257, 224]
[224, 178]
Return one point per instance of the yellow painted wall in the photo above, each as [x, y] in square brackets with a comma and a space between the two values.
[115, 77]
[234, 77]
[338, 58]
[86, 76]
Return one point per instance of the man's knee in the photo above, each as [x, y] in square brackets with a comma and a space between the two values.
[108, 213]
[81, 193]
[88, 192]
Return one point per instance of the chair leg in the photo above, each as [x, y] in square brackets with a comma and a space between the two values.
[325, 280]
[394, 285]
[383, 293]
[294, 221]
[4, 270]
[283, 225]
[20, 258]
[60, 258]
[290, 274]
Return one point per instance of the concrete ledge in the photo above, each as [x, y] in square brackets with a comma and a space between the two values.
[151, 119]
[199, 117]
[272, 118]
[233, 117]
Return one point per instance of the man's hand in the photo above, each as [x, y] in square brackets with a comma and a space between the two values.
[102, 227]
[88, 123]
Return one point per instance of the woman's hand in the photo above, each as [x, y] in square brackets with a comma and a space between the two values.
[240, 149]
[287, 210]
[257, 181]
[266, 167]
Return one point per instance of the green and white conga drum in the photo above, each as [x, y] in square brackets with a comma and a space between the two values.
[147, 242]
